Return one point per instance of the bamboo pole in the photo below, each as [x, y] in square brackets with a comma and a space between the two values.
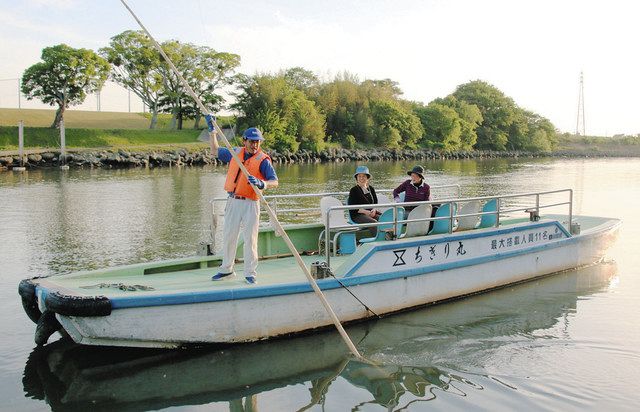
[273, 218]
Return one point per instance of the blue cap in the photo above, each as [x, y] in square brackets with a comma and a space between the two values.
[362, 169]
[252, 133]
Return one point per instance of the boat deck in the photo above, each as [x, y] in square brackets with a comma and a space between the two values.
[270, 272]
[194, 274]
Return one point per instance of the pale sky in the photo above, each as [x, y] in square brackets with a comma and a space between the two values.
[533, 51]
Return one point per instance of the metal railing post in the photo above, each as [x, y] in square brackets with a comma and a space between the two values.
[570, 208]
[327, 236]
[451, 205]
[498, 212]
[395, 222]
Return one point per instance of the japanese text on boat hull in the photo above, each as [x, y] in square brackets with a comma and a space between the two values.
[428, 252]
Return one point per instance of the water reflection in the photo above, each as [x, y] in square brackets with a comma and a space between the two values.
[419, 355]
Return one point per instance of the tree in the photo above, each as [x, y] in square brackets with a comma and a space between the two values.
[204, 69]
[64, 77]
[135, 64]
[498, 113]
[395, 126]
[287, 117]
[470, 119]
[442, 126]
[542, 135]
[302, 79]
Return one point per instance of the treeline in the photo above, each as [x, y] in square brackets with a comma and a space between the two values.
[293, 108]
[296, 110]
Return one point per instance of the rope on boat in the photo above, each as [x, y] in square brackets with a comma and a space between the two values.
[356, 298]
[121, 286]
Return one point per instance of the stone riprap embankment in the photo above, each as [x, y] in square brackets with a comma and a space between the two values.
[184, 157]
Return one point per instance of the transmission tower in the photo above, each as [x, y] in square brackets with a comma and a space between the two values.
[581, 108]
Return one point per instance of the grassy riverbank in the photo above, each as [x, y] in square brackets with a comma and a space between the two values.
[596, 146]
[41, 137]
[91, 130]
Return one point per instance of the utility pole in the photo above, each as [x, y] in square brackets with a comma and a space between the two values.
[98, 100]
[581, 108]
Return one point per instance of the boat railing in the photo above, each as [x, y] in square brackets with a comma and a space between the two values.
[503, 208]
[279, 204]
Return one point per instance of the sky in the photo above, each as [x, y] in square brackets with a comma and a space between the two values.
[533, 51]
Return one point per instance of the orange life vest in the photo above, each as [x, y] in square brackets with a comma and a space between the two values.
[236, 181]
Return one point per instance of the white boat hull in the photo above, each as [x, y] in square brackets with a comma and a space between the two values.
[252, 319]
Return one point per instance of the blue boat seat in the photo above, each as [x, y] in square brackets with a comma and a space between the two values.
[342, 241]
[382, 230]
[442, 225]
[469, 222]
[419, 228]
[489, 220]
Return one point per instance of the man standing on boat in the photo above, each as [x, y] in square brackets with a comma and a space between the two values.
[243, 206]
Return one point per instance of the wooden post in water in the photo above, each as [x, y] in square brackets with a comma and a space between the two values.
[63, 154]
[21, 168]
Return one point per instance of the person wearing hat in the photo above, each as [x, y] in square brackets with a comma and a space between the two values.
[363, 194]
[415, 189]
[243, 206]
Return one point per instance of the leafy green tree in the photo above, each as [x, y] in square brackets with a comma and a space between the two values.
[287, 117]
[442, 126]
[64, 77]
[302, 79]
[136, 65]
[542, 135]
[204, 69]
[470, 119]
[395, 126]
[498, 113]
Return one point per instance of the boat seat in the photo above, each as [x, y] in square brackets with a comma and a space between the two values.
[442, 225]
[419, 228]
[469, 222]
[382, 230]
[342, 241]
[489, 220]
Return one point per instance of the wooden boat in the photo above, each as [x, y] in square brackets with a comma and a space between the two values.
[496, 241]
[77, 377]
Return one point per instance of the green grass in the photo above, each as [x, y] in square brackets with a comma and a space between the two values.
[74, 119]
[80, 119]
[39, 137]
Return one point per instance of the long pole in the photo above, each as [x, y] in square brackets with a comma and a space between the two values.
[274, 220]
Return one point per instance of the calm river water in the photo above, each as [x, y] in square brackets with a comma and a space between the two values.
[566, 342]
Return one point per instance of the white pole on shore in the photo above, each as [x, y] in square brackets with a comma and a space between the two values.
[63, 154]
[21, 142]
[273, 218]
[21, 168]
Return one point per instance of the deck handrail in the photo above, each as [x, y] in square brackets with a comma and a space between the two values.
[501, 209]
[452, 216]
[273, 201]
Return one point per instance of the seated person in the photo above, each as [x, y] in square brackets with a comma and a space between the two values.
[363, 194]
[415, 189]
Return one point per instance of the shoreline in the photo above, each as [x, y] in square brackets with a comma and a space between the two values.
[122, 158]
